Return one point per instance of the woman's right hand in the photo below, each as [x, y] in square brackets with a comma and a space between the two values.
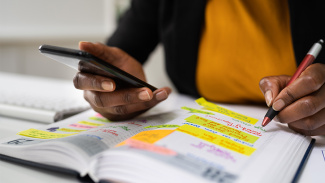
[101, 92]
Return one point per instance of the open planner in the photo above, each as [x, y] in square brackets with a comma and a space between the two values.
[208, 143]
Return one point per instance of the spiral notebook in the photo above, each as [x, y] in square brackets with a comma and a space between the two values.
[39, 99]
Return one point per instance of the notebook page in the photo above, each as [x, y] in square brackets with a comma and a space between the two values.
[86, 134]
[39, 99]
[239, 150]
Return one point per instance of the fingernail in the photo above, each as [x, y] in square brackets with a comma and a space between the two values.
[107, 85]
[268, 97]
[276, 119]
[162, 95]
[85, 42]
[278, 105]
[144, 95]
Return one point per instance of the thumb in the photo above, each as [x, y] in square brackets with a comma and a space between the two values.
[271, 87]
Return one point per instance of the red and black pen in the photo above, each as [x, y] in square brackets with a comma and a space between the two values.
[309, 59]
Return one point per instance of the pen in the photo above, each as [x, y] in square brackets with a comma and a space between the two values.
[309, 59]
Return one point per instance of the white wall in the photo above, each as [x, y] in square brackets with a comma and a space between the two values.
[24, 25]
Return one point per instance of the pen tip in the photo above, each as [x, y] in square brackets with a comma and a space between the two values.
[265, 121]
[321, 41]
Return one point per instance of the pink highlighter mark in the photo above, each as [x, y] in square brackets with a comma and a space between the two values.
[98, 115]
[82, 126]
[150, 147]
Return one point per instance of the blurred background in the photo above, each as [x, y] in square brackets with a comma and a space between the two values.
[25, 25]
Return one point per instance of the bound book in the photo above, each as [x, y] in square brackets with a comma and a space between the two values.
[205, 144]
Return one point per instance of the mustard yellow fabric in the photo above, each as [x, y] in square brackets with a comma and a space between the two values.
[242, 42]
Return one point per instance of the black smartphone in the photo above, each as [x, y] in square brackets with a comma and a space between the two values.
[73, 57]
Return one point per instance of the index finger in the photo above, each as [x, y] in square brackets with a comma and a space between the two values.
[113, 55]
[308, 82]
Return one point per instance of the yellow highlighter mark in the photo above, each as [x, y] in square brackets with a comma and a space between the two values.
[69, 130]
[163, 126]
[216, 139]
[90, 123]
[40, 134]
[99, 119]
[152, 136]
[196, 110]
[227, 112]
[222, 128]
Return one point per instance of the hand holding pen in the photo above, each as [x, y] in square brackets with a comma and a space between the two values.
[299, 100]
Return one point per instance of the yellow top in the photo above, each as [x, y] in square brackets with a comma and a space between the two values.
[242, 42]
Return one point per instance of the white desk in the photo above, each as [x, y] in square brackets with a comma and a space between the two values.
[13, 173]
[9, 172]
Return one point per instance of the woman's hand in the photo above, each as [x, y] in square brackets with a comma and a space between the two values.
[101, 92]
[302, 103]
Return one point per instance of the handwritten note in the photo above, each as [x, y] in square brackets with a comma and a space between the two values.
[90, 123]
[76, 125]
[163, 126]
[227, 112]
[222, 128]
[215, 151]
[106, 130]
[152, 136]
[101, 119]
[216, 139]
[40, 134]
[69, 130]
[196, 110]
[149, 147]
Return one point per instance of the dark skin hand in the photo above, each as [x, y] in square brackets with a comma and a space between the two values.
[302, 103]
[101, 91]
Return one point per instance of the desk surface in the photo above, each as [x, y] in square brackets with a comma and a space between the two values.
[9, 172]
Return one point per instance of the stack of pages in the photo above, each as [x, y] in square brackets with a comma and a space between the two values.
[45, 100]
[204, 144]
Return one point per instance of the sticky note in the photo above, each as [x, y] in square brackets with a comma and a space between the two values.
[196, 110]
[69, 130]
[163, 126]
[40, 134]
[90, 123]
[152, 136]
[232, 132]
[99, 119]
[149, 147]
[216, 139]
[227, 112]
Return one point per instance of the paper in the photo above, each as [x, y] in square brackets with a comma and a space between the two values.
[90, 123]
[163, 126]
[69, 130]
[152, 136]
[216, 139]
[149, 147]
[196, 110]
[219, 109]
[223, 129]
[101, 119]
[40, 134]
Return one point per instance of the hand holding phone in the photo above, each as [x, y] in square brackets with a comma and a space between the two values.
[113, 94]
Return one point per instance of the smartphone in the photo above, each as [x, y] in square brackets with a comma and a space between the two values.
[73, 57]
